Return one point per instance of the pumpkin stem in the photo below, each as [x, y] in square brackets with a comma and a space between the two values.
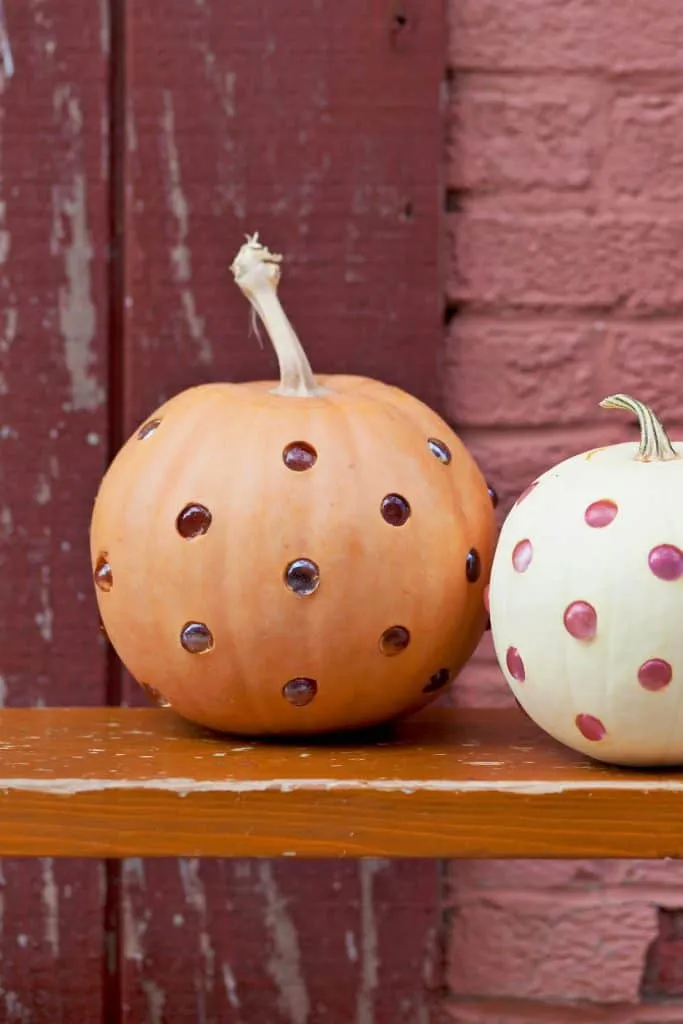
[257, 274]
[654, 440]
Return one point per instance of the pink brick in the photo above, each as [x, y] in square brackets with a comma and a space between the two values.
[634, 262]
[562, 242]
[508, 132]
[572, 34]
[511, 461]
[549, 948]
[481, 685]
[646, 360]
[646, 153]
[542, 34]
[507, 1011]
[523, 875]
[665, 876]
[522, 372]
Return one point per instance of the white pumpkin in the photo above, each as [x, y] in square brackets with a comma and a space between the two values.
[586, 598]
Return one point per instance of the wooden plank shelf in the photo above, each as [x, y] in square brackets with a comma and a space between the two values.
[115, 782]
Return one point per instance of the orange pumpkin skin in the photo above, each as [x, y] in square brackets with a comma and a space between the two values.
[222, 446]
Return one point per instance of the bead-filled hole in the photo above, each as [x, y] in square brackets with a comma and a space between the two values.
[493, 495]
[155, 696]
[147, 429]
[302, 577]
[395, 509]
[438, 681]
[299, 456]
[104, 577]
[473, 565]
[300, 691]
[193, 521]
[394, 640]
[196, 638]
[439, 450]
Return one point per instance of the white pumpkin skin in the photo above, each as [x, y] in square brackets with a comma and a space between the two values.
[617, 695]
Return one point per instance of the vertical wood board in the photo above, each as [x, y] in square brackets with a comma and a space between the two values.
[241, 941]
[319, 126]
[54, 123]
[316, 125]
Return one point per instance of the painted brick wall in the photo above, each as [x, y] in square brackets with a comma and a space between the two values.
[565, 282]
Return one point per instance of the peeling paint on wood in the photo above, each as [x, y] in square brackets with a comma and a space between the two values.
[230, 982]
[181, 258]
[53, 358]
[5, 44]
[278, 933]
[184, 786]
[50, 895]
[77, 315]
[284, 964]
[369, 942]
[195, 897]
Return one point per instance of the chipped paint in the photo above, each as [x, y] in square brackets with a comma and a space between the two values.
[42, 492]
[44, 618]
[132, 146]
[6, 521]
[156, 1001]
[133, 928]
[16, 1012]
[5, 236]
[11, 313]
[369, 973]
[181, 258]
[5, 45]
[50, 900]
[70, 239]
[222, 81]
[72, 786]
[230, 985]
[284, 964]
[351, 947]
[195, 896]
[135, 870]
[77, 314]
[105, 28]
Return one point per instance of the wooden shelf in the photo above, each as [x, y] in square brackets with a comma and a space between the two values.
[115, 782]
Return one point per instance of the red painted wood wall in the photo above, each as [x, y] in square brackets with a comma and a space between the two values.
[139, 142]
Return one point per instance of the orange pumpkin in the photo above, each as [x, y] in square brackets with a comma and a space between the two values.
[299, 557]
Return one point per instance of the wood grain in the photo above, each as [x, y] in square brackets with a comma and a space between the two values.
[447, 783]
[53, 446]
[318, 125]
